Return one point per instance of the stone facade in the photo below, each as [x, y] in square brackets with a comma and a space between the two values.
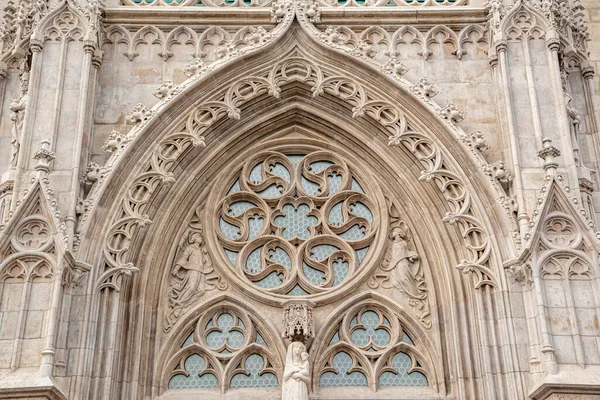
[406, 187]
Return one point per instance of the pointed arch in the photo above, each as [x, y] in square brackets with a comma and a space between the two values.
[277, 95]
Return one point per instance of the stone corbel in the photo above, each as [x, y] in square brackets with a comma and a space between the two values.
[298, 320]
[75, 273]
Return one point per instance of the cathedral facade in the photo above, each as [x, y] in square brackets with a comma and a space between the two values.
[299, 199]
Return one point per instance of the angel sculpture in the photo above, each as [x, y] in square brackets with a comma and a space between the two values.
[407, 275]
[296, 375]
[188, 278]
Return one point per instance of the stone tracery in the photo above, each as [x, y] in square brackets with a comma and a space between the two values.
[297, 224]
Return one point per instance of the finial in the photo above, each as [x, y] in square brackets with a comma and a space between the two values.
[44, 157]
[548, 154]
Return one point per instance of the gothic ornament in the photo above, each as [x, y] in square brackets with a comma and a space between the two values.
[298, 320]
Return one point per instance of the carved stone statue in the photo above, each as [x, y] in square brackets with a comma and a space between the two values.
[188, 278]
[190, 271]
[407, 274]
[296, 375]
[17, 116]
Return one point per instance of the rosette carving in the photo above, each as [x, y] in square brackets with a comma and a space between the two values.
[296, 224]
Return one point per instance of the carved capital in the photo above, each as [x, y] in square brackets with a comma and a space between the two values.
[553, 44]
[36, 45]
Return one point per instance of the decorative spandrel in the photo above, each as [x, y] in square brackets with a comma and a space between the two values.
[296, 224]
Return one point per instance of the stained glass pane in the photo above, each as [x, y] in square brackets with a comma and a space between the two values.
[254, 365]
[342, 362]
[402, 363]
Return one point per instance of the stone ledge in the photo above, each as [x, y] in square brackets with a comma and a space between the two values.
[572, 380]
[26, 383]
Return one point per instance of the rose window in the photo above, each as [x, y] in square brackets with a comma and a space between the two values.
[296, 224]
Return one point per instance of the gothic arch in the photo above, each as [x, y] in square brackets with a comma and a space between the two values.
[156, 182]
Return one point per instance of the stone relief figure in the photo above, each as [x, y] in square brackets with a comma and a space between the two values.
[17, 116]
[296, 374]
[406, 273]
[189, 278]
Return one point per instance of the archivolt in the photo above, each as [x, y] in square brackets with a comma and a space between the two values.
[295, 67]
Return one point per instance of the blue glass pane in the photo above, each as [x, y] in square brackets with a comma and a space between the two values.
[315, 276]
[335, 338]
[340, 271]
[361, 210]
[239, 207]
[361, 254]
[260, 340]
[256, 174]
[279, 256]
[225, 334]
[370, 320]
[254, 266]
[356, 186]
[253, 262]
[194, 364]
[319, 166]
[255, 225]
[402, 364]
[322, 251]
[297, 291]
[335, 182]
[295, 158]
[342, 362]
[189, 340]
[270, 281]
[406, 338]
[235, 188]
[335, 215]
[231, 232]
[296, 222]
[232, 255]
[309, 187]
[254, 364]
[354, 233]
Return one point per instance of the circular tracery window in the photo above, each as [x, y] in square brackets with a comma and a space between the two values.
[297, 223]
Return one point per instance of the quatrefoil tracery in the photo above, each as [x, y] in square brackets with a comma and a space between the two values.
[296, 224]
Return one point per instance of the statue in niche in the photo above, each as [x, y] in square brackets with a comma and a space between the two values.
[296, 374]
[17, 116]
[406, 273]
